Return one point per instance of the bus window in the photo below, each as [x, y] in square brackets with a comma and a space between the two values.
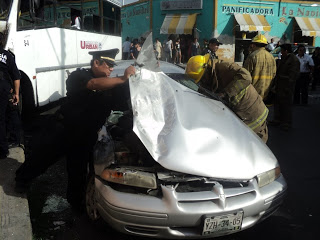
[44, 13]
[69, 14]
[91, 18]
[24, 17]
[75, 18]
[40, 15]
[92, 23]
[4, 9]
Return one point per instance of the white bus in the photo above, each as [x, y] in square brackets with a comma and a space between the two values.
[51, 38]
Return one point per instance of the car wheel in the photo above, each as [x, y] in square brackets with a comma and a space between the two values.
[91, 203]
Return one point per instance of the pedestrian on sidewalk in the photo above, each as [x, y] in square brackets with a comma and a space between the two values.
[195, 47]
[126, 49]
[158, 49]
[168, 47]
[213, 47]
[177, 50]
[306, 69]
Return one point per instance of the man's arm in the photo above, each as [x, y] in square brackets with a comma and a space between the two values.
[311, 64]
[16, 91]
[105, 83]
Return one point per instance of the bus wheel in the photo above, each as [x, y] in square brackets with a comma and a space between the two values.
[27, 102]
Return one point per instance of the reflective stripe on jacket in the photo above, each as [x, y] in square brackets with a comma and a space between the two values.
[240, 96]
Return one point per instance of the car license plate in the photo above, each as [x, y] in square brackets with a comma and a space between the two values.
[223, 223]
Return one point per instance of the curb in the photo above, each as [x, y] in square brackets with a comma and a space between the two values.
[15, 221]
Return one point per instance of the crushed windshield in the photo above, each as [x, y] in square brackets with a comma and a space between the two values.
[4, 9]
[189, 83]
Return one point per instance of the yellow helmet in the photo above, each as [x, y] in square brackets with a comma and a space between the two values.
[260, 39]
[196, 67]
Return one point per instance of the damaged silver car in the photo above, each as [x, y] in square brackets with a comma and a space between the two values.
[180, 164]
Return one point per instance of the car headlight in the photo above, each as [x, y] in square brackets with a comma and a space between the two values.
[268, 177]
[130, 177]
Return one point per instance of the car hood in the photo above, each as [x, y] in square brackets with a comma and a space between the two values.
[188, 132]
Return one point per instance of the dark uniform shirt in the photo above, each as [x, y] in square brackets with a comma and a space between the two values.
[8, 70]
[88, 109]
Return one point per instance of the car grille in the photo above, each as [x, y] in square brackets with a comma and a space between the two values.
[199, 186]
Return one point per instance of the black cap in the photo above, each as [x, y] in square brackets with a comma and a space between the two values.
[214, 40]
[106, 55]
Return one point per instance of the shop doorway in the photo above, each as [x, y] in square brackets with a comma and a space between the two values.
[185, 45]
[242, 42]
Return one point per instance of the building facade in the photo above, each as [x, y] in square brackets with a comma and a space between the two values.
[233, 22]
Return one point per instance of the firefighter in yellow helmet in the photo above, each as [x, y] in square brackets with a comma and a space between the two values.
[261, 65]
[233, 84]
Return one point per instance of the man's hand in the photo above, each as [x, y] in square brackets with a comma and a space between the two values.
[15, 99]
[129, 72]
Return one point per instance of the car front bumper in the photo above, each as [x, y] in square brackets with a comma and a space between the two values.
[180, 215]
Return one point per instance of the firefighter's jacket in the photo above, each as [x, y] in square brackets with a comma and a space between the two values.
[234, 84]
[287, 74]
[262, 67]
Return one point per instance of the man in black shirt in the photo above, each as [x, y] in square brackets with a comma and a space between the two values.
[89, 101]
[9, 92]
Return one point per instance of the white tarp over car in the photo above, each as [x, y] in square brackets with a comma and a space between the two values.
[187, 132]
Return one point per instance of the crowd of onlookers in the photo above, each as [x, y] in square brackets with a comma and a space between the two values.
[175, 50]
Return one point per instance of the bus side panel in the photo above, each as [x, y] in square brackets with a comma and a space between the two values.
[24, 46]
[57, 51]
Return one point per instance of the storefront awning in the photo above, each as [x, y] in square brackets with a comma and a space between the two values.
[309, 26]
[252, 23]
[178, 24]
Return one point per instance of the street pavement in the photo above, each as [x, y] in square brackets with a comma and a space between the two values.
[15, 221]
[297, 151]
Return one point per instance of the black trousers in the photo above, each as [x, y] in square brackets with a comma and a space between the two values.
[316, 79]
[301, 88]
[13, 123]
[80, 144]
[4, 101]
